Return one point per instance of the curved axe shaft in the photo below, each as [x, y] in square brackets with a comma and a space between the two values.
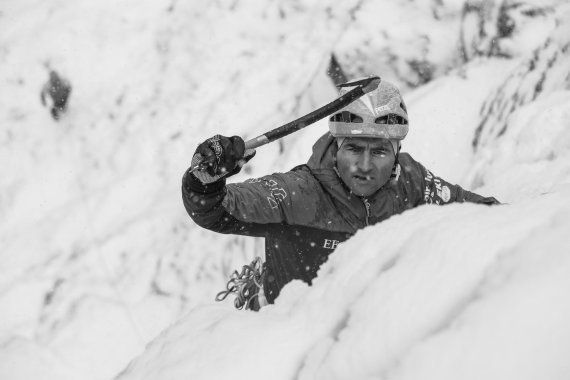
[361, 86]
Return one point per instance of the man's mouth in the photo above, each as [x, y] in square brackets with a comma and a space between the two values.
[362, 178]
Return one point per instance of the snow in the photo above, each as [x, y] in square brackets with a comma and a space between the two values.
[450, 119]
[101, 267]
[533, 156]
[424, 296]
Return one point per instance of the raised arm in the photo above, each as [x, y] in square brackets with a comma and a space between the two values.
[247, 208]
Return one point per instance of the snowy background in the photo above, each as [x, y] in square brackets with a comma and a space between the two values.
[103, 275]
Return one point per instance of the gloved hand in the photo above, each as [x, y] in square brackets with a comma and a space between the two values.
[221, 156]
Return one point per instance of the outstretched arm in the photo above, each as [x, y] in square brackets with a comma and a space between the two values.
[431, 189]
[439, 191]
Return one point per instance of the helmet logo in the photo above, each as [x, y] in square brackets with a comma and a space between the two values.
[382, 109]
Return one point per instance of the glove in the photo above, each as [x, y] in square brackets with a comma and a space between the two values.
[219, 157]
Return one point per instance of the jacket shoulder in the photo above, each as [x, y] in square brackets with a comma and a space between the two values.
[405, 159]
[412, 179]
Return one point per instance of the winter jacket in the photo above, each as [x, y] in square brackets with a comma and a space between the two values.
[305, 213]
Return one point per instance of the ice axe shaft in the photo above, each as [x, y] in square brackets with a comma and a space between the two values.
[361, 87]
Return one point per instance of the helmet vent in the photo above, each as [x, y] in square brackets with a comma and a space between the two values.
[391, 118]
[346, 117]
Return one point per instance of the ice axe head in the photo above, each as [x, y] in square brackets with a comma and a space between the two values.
[367, 84]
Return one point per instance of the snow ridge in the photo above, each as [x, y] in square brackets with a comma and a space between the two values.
[397, 309]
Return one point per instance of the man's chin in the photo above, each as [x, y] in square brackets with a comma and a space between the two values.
[363, 191]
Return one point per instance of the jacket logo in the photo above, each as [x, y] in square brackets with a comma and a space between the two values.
[278, 195]
[445, 194]
[428, 194]
[330, 244]
[382, 109]
[435, 192]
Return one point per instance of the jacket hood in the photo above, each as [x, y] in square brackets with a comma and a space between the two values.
[324, 152]
[323, 166]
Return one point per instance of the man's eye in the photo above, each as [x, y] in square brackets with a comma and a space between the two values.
[379, 152]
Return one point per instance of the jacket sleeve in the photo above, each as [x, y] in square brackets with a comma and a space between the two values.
[203, 202]
[435, 190]
[244, 208]
[439, 191]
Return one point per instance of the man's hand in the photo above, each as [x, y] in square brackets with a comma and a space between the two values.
[220, 156]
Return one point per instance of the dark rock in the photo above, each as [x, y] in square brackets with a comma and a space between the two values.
[55, 94]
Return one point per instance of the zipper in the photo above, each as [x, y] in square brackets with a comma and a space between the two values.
[367, 206]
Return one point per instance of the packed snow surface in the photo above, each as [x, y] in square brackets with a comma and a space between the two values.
[101, 267]
[460, 291]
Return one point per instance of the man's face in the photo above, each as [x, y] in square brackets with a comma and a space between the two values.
[365, 164]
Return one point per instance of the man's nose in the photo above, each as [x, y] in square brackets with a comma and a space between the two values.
[365, 163]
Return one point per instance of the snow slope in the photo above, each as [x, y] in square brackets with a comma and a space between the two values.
[98, 256]
[460, 291]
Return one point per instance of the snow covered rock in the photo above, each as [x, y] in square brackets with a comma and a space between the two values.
[415, 42]
[539, 74]
[522, 143]
[409, 42]
[506, 28]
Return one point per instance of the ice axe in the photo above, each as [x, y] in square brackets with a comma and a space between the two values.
[361, 86]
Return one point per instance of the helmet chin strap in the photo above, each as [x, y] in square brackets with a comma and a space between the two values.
[396, 170]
